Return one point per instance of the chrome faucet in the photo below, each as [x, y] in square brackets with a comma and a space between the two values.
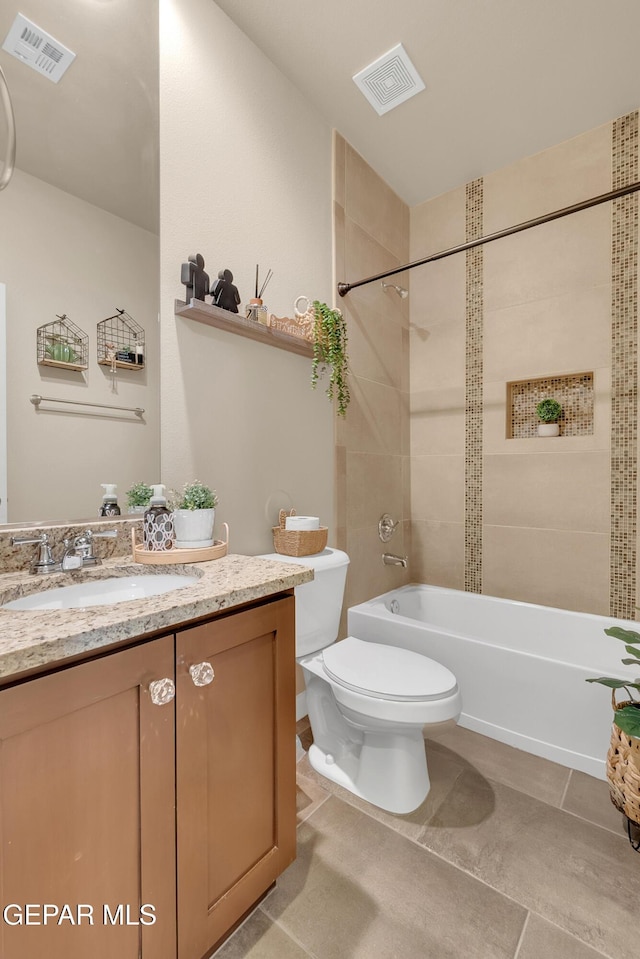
[43, 561]
[79, 552]
[390, 559]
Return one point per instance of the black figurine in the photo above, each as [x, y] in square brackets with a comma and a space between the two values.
[224, 293]
[194, 278]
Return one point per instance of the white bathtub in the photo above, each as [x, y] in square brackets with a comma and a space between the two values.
[521, 668]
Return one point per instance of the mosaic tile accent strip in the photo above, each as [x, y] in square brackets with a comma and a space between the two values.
[624, 371]
[574, 393]
[473, 392]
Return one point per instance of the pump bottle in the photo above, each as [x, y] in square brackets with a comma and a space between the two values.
[157, 527]
[109, 500]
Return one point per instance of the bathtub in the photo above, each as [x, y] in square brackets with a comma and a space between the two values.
[521, 668]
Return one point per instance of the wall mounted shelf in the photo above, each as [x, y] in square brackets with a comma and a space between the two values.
[235, 323]
[574, 391]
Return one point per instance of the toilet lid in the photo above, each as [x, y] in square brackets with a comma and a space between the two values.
[387, 672]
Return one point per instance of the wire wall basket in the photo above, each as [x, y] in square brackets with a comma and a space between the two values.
[63, 344]
[121, 342]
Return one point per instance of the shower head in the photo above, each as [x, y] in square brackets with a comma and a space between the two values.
[400, 290]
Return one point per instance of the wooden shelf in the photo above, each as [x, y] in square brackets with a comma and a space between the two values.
[121, 365]
[62, 365]
[235, 323]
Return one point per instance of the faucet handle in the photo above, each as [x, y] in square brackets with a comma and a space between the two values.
[43, 561]
[386, 527]
[106, 534]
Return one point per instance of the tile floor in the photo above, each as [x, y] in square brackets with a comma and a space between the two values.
[509, 857]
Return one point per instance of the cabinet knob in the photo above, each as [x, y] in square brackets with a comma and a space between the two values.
[202, 674]
[162, 691]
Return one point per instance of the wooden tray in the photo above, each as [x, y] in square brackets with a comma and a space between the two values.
[169, 557]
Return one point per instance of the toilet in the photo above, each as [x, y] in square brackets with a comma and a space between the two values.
[368, 703]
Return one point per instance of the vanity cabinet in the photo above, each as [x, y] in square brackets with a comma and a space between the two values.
[150, 827]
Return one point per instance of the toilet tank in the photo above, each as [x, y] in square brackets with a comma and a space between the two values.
[319, 603]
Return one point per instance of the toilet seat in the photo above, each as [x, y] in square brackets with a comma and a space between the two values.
[387, 672]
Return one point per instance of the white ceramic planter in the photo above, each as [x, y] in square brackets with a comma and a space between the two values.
[193, 528]
[548, 429]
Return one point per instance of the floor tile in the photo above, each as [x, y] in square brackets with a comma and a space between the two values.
[577, 875]
[589, 798]
[541, 940]
[260, 938]
[309, 795]
[504, 764]
[360, 890]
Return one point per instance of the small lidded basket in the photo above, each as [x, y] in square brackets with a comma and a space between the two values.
[298, 542]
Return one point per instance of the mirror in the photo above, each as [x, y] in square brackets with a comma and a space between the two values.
[80, 238]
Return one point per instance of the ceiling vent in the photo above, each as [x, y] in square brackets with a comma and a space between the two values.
[389, 80]
[37, 48]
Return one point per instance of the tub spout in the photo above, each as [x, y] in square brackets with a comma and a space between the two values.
[389, 559]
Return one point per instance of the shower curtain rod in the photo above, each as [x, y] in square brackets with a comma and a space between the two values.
[343, 288]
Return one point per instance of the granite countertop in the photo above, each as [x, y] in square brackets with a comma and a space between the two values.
[32, 640]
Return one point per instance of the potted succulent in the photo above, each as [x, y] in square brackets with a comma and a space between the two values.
[138, 497]
[623, 758]
[194, 516]
[548, 412]
[330, 350]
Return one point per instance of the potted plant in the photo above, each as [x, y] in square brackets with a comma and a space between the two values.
[330, 350]
[138, 497]
[623, 758]
[194, 516]
[548, 412]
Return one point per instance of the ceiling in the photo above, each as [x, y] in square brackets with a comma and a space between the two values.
[95, 133]
[504, 78]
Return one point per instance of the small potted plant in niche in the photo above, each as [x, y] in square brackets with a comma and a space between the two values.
[548, 412]
[623, 758]
[194, 516]
[138, 497]
[330, 349]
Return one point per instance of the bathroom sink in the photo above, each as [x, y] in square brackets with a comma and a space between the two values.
[103, 592]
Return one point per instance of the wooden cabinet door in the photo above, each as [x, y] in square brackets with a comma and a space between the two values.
[87, 810]
[235, 768]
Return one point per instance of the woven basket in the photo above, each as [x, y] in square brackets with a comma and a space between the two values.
[298, 542]
[623, 769]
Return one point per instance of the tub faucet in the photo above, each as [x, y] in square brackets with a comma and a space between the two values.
[390, 559]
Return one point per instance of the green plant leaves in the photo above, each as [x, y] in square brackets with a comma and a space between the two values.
[626, 635]
[330, 348]
[628, 720]
[613, 683]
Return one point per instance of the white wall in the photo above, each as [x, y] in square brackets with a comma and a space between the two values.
[245, 179]
[59, 255]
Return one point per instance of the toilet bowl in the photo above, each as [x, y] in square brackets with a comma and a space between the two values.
[368, 703]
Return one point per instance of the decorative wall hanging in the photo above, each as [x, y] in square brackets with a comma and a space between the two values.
[63, 344]
[121, 342]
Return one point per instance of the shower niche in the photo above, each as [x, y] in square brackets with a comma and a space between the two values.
[575, 393]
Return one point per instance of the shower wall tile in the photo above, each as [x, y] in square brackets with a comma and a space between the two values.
[374, 423]
[437, 488]
[437, 421]
[365, 256]
[367, 575]
[339, 241]
[436, 225]
[564, 174]
[567, 255]
[376, 345]
[539, 490]
[560, 568]
[371, 203]
[437, 554]
[549, 336]
[367, 500]
[438, 326]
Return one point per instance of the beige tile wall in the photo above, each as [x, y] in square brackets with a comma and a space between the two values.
[546, 507]
[371, 235]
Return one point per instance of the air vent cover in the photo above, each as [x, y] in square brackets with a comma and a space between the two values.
[389, 80]
[37, 48]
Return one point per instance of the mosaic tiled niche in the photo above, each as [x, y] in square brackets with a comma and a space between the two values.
[574, 393]
[473, 391]
[624, 371]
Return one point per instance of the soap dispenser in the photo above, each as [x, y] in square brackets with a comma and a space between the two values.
[157, 528]
[109, 500]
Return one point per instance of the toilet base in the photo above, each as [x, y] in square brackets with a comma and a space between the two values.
[386, 769]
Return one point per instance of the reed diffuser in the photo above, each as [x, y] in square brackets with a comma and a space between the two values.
[256, 310]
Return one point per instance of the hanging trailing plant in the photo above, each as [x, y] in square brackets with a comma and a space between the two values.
[330, 350]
